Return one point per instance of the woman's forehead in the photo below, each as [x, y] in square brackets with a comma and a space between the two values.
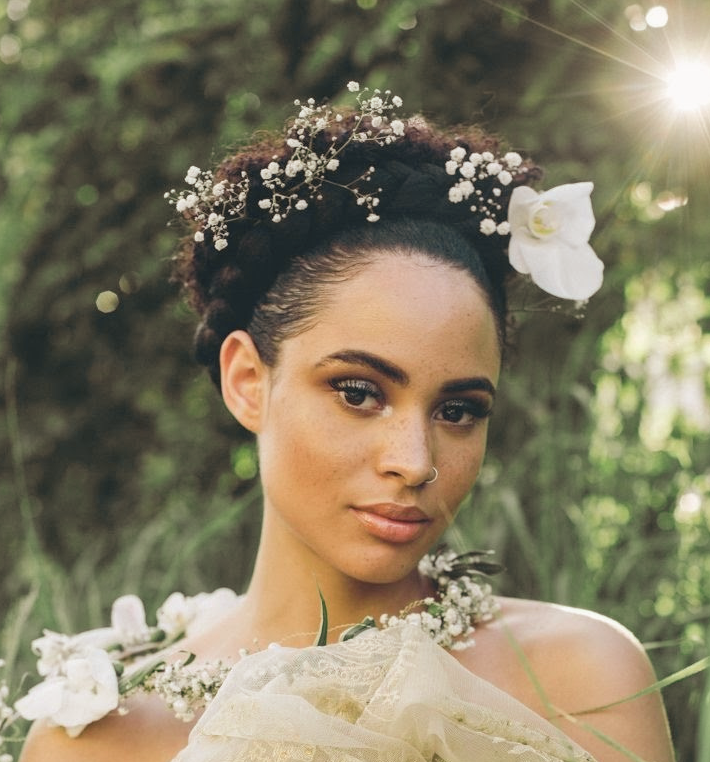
[404, 310]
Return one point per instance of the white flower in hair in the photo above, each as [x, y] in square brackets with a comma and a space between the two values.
[549, 239]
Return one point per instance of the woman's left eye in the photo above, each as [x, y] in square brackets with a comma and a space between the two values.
[464, 412]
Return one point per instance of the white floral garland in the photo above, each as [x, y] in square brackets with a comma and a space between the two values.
[549, 232]
[88, 675]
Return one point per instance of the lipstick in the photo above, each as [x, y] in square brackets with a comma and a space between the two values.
[392, 522]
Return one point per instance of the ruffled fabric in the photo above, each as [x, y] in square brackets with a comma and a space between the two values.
[385, 696]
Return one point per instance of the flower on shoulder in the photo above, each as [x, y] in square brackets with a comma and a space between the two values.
[549, 234]
[88, 675]
[128, 619]
[85, 691]
[54, 648]
[185, 615]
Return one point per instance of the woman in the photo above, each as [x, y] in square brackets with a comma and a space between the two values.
[351, 278]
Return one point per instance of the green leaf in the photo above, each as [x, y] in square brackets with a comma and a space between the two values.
[367, 624]
[131, 680]
[322, 638]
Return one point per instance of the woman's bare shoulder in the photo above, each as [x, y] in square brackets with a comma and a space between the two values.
[566, 662]
[539, 626]
[147, 733]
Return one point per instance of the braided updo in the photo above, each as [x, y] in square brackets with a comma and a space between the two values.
[272, 278]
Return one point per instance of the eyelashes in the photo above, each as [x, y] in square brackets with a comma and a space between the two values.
[359, 394]
[462, 411]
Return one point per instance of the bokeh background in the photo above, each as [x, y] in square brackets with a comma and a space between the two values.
[120, 471]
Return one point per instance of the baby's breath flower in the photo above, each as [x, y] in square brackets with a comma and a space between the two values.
[467, 169]
[513, 159]
[488, 226]
[466, 187]
[192, 174]
[504, 177]
[458, 154]
[448, 619]
[455, 194]
[472, 172]
[292, 182]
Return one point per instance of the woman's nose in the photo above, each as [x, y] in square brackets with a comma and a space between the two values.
[406, 449]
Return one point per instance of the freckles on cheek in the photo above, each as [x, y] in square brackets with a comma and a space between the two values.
[316, 448]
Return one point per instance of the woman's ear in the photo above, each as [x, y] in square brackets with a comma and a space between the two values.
[243, 379]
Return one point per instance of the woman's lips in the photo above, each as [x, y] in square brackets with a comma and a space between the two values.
[391, 522]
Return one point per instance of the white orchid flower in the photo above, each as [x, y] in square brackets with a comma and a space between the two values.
[54, 648]
[86, 692]
[182, 614]
[128, 619]
[175, 614]
[549, 239]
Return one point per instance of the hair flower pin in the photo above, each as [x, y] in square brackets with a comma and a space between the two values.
[549, 234]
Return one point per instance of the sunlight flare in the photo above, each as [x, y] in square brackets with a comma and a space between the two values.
[688, 86]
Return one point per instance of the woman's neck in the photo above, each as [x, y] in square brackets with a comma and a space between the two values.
[283, 604]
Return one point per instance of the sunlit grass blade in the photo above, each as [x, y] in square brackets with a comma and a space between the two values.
[611, 742]
[703, 748]
[681, 674]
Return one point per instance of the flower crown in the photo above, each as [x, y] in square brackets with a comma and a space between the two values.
[548, 232]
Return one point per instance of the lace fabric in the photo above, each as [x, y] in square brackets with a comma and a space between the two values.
[385, 696]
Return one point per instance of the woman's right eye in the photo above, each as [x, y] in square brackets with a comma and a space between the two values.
[358, 393]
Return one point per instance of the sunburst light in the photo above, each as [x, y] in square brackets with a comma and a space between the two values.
[688, 85]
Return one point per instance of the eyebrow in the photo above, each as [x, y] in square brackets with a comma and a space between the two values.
[357, 357]
[400, 377]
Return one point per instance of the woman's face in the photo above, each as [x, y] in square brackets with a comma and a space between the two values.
[397, 377]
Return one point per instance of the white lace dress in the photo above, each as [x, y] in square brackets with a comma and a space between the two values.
[385, 696]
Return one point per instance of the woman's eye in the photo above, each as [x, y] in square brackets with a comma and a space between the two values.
[463, 412]
[355, 392]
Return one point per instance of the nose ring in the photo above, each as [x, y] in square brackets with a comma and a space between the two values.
[433, 478]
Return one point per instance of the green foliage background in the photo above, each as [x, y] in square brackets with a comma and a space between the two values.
[121, 472]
